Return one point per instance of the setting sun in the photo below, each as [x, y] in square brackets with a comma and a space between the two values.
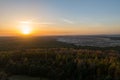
[25, 28]
[26, 31]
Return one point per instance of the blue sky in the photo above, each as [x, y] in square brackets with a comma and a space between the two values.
[77, 14]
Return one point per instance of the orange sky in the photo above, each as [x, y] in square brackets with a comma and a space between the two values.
[52, 17]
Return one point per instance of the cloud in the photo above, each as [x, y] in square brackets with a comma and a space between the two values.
[44, 23]
[67, 21]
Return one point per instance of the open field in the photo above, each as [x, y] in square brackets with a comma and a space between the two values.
[20, 43]
[19, 77]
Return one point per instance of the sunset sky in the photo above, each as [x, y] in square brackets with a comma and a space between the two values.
[59, 17]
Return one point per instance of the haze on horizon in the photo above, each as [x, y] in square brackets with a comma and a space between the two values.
[60, 17]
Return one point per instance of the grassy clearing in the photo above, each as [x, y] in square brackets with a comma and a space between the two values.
[20, 77]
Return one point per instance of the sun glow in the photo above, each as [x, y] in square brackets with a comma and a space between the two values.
[25, 28]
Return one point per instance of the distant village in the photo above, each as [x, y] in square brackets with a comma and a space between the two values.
[90, 41]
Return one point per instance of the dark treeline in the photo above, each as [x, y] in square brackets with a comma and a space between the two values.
[18, 43]
[61, 64]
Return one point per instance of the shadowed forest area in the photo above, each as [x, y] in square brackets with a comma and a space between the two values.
[60, 61]
[51, 60]
[61, 64]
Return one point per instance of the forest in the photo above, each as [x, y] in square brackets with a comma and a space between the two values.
[61, 64]
[52, 60]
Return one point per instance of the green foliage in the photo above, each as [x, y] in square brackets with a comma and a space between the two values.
[62, 63]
